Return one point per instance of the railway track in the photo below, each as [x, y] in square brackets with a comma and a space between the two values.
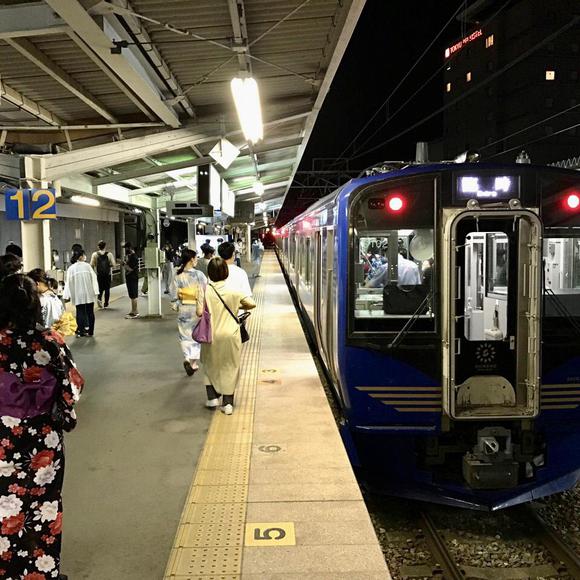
[562, 562]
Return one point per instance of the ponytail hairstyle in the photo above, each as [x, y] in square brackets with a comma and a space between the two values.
[78, 252]
[19, 303]
[186, 257]
[39, 275]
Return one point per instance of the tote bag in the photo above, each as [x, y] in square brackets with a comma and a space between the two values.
[202, 331]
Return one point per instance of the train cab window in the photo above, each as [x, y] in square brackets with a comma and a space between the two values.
[393, 274]
[486, 286]
[561, 277]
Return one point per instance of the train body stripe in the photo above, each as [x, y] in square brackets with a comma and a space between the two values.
[407, 396]
[399, 389]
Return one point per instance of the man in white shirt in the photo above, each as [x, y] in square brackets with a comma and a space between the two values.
[408, 274]
[237, 279]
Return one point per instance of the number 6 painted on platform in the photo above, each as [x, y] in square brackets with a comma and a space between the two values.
[40, 213]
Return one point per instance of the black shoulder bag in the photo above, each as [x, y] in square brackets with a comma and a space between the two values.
[241, 320]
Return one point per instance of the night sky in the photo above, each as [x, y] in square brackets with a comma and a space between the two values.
[387, 40]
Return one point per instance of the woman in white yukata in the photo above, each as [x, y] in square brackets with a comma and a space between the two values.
[187, 294]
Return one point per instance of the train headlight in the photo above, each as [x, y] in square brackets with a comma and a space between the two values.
[396, 203]
[573, 201]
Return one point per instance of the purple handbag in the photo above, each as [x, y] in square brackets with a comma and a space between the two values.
[23, 400]
[202, 331]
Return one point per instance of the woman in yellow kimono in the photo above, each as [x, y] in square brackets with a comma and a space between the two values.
[187, 294]
[221, 358]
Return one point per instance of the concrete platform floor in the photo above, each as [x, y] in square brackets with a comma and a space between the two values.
[131, 459]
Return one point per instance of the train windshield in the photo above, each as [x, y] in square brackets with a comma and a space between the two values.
[394, 273]
[393, 258]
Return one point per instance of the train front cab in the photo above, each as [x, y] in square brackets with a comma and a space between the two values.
[453, 360]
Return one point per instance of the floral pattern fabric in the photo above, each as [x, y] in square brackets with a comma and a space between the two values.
[32, 458]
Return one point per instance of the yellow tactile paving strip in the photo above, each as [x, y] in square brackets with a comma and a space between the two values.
[209, 541]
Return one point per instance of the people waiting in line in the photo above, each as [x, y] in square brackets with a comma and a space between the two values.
[14, 249]
[208, 253]
[103, 262]
[52, 307]
[9, 264]
[131, 265]
[221, 357]
[187, 294]
[237, 279]
[35, 362]
[81, 288]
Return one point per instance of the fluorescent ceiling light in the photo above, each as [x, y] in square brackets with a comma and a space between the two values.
[81, 199]
[259, 187]
[247, 101]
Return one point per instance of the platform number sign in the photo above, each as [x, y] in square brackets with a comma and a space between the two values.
[27, 204]
[270, 534]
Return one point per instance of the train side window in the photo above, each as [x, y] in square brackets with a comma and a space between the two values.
[561, 277]
[393, 274]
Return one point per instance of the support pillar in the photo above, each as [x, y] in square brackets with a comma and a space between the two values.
[35, 234]
[152, 264]
[35, 237]
[191, 232]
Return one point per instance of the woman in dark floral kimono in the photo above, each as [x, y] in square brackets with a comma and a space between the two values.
[39, 385]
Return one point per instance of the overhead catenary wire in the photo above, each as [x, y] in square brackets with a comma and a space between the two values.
[477, 87]
[522, 145]
[426, 83]
[417, 61]
[528, 127]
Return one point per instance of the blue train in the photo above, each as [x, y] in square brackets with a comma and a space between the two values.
[444, 300]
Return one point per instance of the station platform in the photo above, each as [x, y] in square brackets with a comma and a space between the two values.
[157, 486]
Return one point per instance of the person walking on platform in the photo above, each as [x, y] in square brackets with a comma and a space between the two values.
[81, 288]
[221, 357]
[167, 270]
[208, 254]
[131, 265]
[187, 294]
[102, 262]
[237, 278]
[35, 362]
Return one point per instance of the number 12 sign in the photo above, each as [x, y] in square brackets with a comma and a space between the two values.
[26, 204]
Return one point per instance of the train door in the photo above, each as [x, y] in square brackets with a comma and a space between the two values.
[317, 279]
[491, 301]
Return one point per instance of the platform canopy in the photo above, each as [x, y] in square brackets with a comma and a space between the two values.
[137, 92]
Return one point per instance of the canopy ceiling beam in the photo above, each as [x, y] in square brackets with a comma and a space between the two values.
[18, 99]
[73, 13]
[27, 49]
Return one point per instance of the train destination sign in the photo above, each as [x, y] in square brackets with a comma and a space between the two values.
[487, 187]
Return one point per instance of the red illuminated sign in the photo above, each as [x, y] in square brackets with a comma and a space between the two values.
[459, 45]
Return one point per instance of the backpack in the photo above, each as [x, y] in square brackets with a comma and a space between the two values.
[103, 265]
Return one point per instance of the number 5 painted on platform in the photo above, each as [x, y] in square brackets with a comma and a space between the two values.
[43, 204]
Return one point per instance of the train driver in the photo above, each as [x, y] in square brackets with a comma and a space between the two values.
[408, 274]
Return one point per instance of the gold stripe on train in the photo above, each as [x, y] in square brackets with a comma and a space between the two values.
[408, 403]
[400, 395]
[557, 407]
[399, 389]
[418, 409]
[560, 400]
[562, 386]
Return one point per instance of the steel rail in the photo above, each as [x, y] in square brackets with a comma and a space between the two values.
[556, 545]
[439, 549]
